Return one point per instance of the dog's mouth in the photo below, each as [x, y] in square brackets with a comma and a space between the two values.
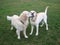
[32, 15]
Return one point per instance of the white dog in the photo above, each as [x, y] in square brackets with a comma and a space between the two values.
[38, 18]
[20, 22]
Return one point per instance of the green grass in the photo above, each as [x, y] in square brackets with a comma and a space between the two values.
[50, 37]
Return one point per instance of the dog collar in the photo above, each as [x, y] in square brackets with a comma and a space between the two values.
[22, 22]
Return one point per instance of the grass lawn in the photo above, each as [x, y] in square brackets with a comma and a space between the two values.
[50, 37]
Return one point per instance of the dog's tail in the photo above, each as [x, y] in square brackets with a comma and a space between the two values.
[9, 18]
[46, 9]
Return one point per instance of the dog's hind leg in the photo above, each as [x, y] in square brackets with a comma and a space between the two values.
[42, 24]
[45, 20]
[32, 27]
[18, 34]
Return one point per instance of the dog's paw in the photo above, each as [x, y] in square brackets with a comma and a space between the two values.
[11, 28]
[46, 28]
[36, 34]
[18, 37]
[26, 36]
[41, 25]
[30, 33]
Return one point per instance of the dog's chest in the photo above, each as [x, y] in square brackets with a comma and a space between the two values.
[32, 22]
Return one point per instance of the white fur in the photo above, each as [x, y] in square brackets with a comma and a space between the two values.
[15, 22]
[41, 17]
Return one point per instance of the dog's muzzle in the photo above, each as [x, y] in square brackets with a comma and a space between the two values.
[32, 15]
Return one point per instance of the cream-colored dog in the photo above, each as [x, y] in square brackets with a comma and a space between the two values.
[38, 18]
[20, 22]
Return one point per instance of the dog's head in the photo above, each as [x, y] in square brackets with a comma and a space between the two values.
[27, 13]
[33, 13]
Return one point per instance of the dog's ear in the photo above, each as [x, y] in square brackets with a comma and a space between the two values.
[33, 13]
[9, 17]
[24, 16]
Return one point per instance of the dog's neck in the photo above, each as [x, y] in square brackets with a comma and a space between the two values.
[23, 18]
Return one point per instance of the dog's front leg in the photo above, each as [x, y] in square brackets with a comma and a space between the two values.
[46, 24]
[24, 32]
[32, 27]
[37, 29]
[18, 34]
